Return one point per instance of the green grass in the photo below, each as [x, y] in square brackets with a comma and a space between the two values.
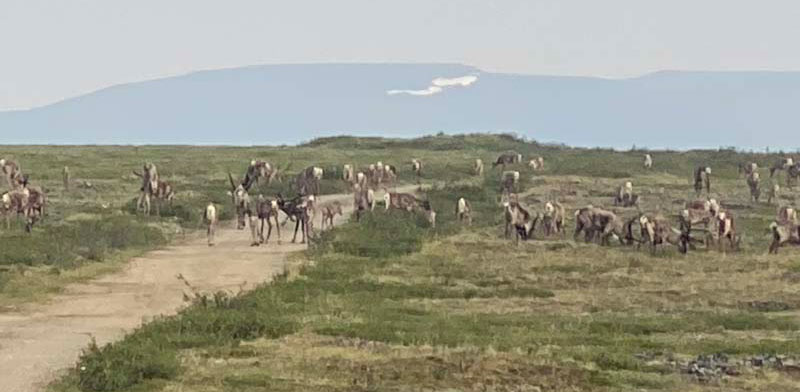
[392, 303]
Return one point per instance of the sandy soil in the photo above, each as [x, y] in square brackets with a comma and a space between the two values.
[42, 340]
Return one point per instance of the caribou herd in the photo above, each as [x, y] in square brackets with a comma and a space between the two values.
[701, 222]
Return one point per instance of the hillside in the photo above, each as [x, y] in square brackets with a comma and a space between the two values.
[287, 104]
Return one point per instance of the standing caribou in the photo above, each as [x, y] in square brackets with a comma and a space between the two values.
[244, 207]
[11, 171]
[702, 179]
[267, 212]
[477, 168]
[149, 186]
[210, 218]
[296, 209]
[754, 183]
[464, 211]
[307, 181]
[329, 211]
[416, 166]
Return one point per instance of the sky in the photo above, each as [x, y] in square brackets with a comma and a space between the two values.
[52, 50]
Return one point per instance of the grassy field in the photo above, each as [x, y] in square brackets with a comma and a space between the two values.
[393, 304]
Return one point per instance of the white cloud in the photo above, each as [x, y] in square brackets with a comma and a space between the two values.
[463, 81]
[429, 91]
[438, 85]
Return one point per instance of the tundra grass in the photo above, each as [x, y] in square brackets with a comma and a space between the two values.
[395, 304]
[461, 308]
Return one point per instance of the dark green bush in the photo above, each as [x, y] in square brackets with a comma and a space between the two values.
[381, 234]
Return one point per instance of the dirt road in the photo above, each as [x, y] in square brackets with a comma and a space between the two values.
[42, 340]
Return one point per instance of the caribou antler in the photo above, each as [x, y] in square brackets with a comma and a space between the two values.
[233, 183]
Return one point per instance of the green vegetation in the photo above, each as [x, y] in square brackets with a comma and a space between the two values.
[391, 303]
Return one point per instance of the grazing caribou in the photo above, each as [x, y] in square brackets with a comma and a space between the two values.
[783, 234]
[507, 159]
[625, 196]
[783, 164]
[409, 202]
[598, 223]
[519, 220]
[536, 164]
[656, 230]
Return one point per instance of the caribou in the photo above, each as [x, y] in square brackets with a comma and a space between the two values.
[625, 196]
[296, 209]
[598, 223]
[702, 179]
[11, 171]
[307, 181]
[65, 177]
[363, 200]
[416, 166]
[648, 161]
[773, 194]
[329, 211]
[553, 218]
[244, 207]
[210, 218]
[347, 174]
[754, 183]
[267, 212]
[477, 168]
[519, 219]
[536, 164]
[260, 169]
[509, 181]
[409, 202]
[783, 234]
[748, 168]
[656, 230]
[149, 186]
[783, 164]
[463, 211]
[507, 159]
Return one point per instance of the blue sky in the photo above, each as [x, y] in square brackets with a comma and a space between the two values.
[56, 49]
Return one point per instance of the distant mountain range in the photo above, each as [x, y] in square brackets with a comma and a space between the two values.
[287, 104]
